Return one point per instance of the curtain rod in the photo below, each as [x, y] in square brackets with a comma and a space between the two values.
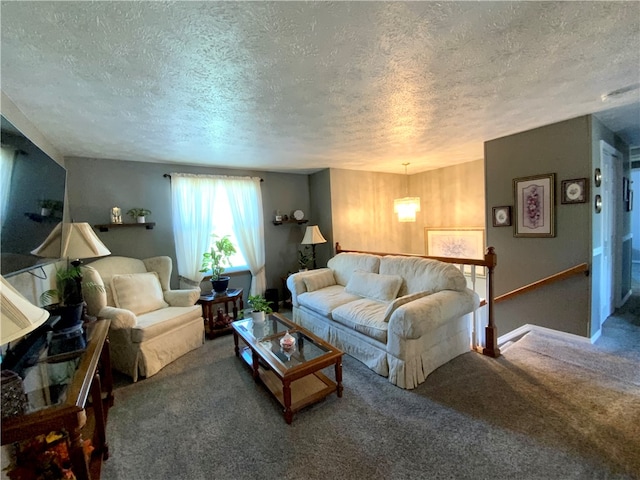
[166, 175]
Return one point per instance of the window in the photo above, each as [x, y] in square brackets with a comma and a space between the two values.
[206, 204]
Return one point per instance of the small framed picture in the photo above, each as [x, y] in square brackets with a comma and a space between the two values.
[502, 216]
[625, 189]
[574, 191]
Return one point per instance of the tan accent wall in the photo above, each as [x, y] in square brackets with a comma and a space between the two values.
[362, 206]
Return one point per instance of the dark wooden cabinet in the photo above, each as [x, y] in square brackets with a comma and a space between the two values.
[79, 406]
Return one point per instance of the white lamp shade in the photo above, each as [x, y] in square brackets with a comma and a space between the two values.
[312, 236]
[72, 240]
[406, 208]
[18, 316]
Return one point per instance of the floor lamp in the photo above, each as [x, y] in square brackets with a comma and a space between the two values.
[312, 236]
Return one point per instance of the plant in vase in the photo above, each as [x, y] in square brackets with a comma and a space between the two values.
[260, 307]
[48, 206]
[139, 214]
[68, 292]
[304, 257]
[215, 260]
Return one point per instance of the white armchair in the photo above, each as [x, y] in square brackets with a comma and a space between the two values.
[151, 325]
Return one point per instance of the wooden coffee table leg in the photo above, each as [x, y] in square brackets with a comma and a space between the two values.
[235, 341]
[286, 393]
[256, 365]
[339, 376]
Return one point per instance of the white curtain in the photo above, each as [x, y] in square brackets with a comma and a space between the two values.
[245, 202]
[194, 215]
[6, 169]
[193, 212]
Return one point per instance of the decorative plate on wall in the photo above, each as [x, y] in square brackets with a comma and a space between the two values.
[298, 214]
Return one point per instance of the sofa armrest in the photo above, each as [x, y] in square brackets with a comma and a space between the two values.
[182, 298]
[296, 285]
[419, 317]
[120, 317]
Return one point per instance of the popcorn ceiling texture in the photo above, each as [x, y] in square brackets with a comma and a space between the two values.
[289, 85]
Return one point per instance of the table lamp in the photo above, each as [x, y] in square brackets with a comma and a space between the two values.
[73, 241]
[312, 236]
[18, 316]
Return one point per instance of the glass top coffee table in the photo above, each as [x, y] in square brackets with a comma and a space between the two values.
[292, 374]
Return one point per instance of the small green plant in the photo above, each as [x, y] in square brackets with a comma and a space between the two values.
[50, 204]
[68, 290]
[138, 212]
[220, 255]
[304, 257]
[259, 304]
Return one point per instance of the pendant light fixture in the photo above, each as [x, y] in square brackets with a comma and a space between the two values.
[406, 207]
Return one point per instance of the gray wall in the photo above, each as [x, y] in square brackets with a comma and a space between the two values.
[564, 148]
[94, 186]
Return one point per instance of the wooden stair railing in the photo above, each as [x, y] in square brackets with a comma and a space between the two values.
[489, 261]
[569, 272]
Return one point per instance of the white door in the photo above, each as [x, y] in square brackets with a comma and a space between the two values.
[611, 159]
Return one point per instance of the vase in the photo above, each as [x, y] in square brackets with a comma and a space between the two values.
[258, 316]
[220, 285]
[141, 219]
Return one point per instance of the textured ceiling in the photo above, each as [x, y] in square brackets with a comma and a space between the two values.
[303, 86]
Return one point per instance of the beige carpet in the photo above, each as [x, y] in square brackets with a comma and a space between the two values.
[569, 395]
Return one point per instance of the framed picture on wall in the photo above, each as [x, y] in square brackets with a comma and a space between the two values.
[534, 206]
[454, 242]
[574, 191]
[501, 216]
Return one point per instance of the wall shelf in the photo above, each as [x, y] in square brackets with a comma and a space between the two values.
[106, 226]
[36, 217]
[299, 222]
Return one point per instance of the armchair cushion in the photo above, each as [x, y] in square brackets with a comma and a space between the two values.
[321, 279]
[138, 292]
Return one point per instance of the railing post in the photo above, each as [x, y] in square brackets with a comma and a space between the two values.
[491, 332]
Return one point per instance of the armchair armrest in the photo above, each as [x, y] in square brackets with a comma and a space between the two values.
[182, 298]
[418, 317]
[120, 318]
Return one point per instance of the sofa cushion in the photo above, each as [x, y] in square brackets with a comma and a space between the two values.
[423, 274]
[138, 292]
[319, 280]
[374, 286]
[152, 324]
[364, 316]
[398, 302]
[344, 264]
[326, 300]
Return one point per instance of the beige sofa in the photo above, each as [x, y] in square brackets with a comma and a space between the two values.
[401, 316]
[151, 325]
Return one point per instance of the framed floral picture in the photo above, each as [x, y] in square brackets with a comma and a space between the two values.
[534, 206]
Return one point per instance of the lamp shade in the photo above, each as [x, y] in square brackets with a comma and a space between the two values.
[312, 236]
[72, 240]
[406, 208]
[18, 316]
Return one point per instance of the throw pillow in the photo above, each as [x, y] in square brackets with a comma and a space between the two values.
[317, 280]
[374, 285]
[138, 292]
[398, 302]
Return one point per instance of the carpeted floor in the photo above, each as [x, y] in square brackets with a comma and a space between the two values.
[547, 409]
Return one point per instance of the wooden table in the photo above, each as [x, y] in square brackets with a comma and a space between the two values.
[292, 376]
[214, 327]
[92, 376]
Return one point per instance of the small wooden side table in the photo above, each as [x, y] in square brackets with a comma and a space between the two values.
[233, 296]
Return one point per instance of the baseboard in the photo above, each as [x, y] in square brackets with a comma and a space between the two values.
[524, 329]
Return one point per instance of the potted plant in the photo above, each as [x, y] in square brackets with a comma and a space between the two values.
[260, 307]
[139, 214]
[68, 292]
[48, 206]
[215, 261]
[304, 257]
